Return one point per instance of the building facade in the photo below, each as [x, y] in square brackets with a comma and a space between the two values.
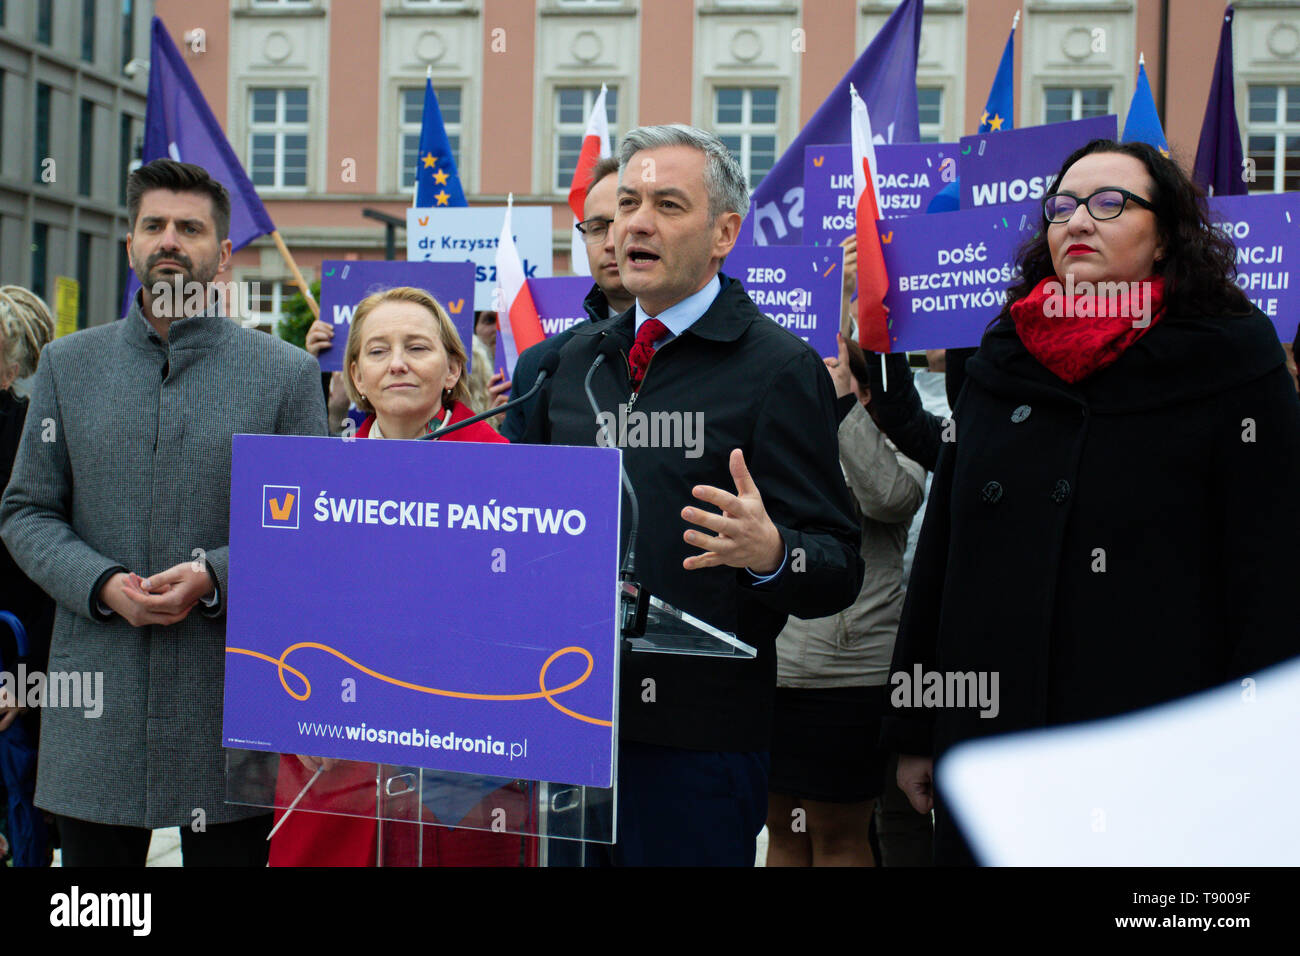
[321, 98]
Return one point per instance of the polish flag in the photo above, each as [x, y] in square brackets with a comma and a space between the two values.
[873, 281]
[517, 319]
[595, 147]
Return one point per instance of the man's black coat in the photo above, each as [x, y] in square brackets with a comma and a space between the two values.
[1112, 544]
[760, 389]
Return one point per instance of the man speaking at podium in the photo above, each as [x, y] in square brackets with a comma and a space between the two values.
[743, 520]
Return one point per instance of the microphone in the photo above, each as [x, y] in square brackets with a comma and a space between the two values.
[634, 599]
[550, 362]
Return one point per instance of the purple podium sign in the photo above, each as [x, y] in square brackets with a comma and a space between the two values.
[799, 287]
[1020, 164]
[344, 283]
[949, 272]
[559, 301]
[431, 604]
[910, 175]
[1266, 231]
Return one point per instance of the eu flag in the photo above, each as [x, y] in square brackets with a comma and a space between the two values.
[1000, 107]
[437, 183]
[1142, 125]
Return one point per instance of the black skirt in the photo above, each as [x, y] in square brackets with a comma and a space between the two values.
[825, 743]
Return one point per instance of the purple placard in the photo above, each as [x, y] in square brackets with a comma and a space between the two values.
[426, 592]
[910, 175]
[559, 301]
[1019, 164]
[798, 286]
[344, 283]
[1266, 230]
[938, 297]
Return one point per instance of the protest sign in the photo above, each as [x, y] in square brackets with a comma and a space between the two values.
[798, 286]
[1019, 164]
[559, 301]
[344, 283]
[1266, 231]
[910, 175]
[448, 605]
[949, 272]
[472, 232]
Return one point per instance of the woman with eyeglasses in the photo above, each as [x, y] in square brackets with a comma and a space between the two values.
[1115, 524]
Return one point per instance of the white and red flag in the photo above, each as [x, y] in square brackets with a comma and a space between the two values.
[517, 319]
[595, 147]
[873, 280]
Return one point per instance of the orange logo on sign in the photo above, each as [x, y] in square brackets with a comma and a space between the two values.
[455, 307]
[281, 513]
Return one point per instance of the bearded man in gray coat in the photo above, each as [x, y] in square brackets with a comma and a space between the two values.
[119, 508]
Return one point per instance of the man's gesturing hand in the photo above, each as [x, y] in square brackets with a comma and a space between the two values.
[745, 536]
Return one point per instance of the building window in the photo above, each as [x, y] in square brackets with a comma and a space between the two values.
[85, 149]
[282, 3]
[128, 31]
[124, 155]
[573, 105]
[1064, 103]
[269, 302]
[88, 30]
[745, 121]
[411, 110]
[277, 138]
[1273, 137]
[44, 21]
[40, 251]
[84, 248]
[42, 128]
[929, 102]
[588, 3]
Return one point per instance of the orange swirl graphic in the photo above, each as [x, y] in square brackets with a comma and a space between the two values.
[545, 692]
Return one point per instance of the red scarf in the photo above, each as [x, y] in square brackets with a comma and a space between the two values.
[1074, 336]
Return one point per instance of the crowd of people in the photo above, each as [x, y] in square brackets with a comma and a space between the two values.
[1107, 519]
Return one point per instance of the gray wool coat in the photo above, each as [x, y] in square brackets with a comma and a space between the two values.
[137, 477]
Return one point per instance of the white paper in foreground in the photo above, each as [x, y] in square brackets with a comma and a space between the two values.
[1209, 780]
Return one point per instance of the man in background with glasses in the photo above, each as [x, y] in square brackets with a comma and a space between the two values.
[606, 299]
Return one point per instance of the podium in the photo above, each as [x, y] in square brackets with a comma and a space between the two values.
[457, 694]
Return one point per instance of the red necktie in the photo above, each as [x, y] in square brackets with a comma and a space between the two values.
[643, 349]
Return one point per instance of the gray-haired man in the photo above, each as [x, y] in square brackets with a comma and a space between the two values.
[119, 508]
[748, 523]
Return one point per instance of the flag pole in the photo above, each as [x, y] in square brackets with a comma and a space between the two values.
[298, 280]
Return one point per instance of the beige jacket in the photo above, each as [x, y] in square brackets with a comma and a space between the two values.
[853, 648]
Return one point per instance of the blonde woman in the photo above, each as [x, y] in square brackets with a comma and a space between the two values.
[404, 367]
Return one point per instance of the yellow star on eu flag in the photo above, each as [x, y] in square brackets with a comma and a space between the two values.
[429, 161]
[442, 197]
[985, 118]
[441, 177]
[995, 123]
[1163, 152]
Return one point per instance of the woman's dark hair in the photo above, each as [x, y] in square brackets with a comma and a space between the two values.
[1200, 261]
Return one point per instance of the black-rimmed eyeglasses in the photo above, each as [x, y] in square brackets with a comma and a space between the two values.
[1105, 203]
[594, 230]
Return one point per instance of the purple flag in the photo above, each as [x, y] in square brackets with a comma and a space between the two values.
[885, 76]
[179, 123]
[1218, 155]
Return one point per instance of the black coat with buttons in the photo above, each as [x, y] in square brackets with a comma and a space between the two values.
[1112, 544]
